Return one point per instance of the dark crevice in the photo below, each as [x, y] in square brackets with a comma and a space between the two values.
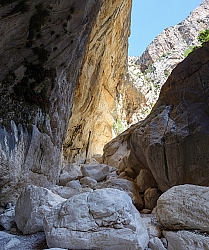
[87, 146]
[164, 149]
[204, 85]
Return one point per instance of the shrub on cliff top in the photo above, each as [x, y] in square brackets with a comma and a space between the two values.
[203, 37]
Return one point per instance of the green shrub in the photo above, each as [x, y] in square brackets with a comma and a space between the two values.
[191, 48]
[118, 127]
[203, 36]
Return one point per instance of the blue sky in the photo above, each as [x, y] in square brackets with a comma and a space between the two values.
[150, 17]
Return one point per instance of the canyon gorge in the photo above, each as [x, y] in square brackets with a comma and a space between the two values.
[90, 137]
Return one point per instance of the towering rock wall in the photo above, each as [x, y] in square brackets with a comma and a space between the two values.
[103, 74]
[147, 73]
[172, 141]
[44, 53]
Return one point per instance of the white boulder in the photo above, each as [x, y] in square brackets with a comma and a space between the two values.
[103, 219]
[88, 182]
[127, 186]
[185, 240]
[97, 172]
[74, 184]
[69, 173]
[156, 244]
[33, 204]
[68, 192]
[184, 207]
[7, 219]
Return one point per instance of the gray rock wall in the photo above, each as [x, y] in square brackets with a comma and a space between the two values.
[42, 49]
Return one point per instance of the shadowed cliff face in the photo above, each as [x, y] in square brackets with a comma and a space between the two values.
[172, 141]
[43, 46]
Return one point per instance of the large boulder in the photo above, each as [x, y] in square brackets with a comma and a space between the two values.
[98, 172]
[184, 207]
[69, 173]
[186, 240]
[151, 196]
[127, 186]
[33, 204]
[145, 180]
[103, 219]
[173, 140]
[68, 192]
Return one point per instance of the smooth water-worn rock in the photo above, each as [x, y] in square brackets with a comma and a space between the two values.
[104, 219]
[33, 204]
[56, 249]
[184, 207]
[186, 240]
[67, 192]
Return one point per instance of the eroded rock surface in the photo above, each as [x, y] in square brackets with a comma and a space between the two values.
[104, 219]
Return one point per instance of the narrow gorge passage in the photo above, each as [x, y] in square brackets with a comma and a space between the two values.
[65, 92]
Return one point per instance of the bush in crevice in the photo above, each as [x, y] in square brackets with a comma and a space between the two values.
[203, 37]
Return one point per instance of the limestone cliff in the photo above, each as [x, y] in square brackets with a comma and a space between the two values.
[147, 73]
[103, 74]
[47, 48]
[172, 141]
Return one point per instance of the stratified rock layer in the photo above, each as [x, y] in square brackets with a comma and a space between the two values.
[172, 141]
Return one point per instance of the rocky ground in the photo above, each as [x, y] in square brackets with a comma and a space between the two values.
[97, 207]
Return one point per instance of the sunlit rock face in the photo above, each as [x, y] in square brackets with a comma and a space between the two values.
[147, 73]
[103, 73]
[172, 141]
[178, 37]
[43, 45]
